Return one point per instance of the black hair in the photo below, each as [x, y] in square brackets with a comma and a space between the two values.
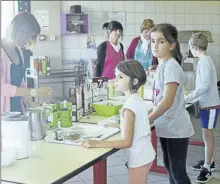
[22, 28]
[113, 25]
[134, 70]
[171, 35]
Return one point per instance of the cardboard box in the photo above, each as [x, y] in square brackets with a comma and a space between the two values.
[75, 96]
[87, 98]
[77, 114]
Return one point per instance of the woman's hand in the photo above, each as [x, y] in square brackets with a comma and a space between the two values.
[44, 91]
[89, 143]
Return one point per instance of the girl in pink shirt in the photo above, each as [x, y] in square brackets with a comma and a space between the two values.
[22, 34]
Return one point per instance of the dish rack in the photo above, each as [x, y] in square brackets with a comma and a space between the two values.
[64, 77]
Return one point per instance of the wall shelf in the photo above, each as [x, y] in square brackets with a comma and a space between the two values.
[74, 23]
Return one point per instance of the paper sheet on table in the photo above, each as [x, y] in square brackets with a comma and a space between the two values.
[88, 131]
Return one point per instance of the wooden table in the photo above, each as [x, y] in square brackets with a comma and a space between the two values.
[57, 163]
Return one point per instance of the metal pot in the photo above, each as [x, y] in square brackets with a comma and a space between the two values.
[37, 120]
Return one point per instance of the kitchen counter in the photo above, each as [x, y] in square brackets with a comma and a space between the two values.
[57, 163]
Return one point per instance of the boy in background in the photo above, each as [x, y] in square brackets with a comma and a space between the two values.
[206, 93]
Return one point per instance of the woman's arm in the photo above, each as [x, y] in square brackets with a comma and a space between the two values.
[129, 118]
[101, 50]
[131, 48]
[166, 103]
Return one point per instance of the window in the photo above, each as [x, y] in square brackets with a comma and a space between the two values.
[8, 10]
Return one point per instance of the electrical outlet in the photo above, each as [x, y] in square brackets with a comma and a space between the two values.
[52, 37]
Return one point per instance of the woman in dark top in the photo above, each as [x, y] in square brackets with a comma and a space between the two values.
[110, 52]
[140, 49]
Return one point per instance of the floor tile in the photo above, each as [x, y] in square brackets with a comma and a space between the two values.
[123, 179]
[110, 180]
[162, 182]
[74, 179]
[114, 161]
[87, 174]
[193, 158]
[117, 170]
[154, 177]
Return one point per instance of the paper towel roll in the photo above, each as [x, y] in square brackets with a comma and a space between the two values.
[15, 134]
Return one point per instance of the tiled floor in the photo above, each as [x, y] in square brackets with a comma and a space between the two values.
[118, 173]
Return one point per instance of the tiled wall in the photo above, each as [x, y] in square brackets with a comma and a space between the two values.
[184, 15]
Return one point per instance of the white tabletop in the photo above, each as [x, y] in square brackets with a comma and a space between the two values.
[50, 162]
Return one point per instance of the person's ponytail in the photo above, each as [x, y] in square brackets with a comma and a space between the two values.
[177, 54]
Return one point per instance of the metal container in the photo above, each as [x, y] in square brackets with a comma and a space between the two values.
[37, 120]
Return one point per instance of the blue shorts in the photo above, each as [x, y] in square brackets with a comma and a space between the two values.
[208, 118]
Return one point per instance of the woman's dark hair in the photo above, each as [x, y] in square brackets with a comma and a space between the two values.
[171, 35]
[134, 70]
[113, 25]
[22, 28]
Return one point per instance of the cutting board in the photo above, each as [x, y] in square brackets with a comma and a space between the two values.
[88, 131]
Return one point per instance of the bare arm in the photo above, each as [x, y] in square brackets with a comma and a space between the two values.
[129, 119]
[166, 103]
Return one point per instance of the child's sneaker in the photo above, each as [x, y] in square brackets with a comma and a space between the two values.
[204, 176]
[200, 164]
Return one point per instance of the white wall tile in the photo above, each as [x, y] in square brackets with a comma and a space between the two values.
[160, 7]
[179, 19]
[65, 54]
[160, 18]
[139, 17]
[129, 6]
[107, 5]
[74, 54]
[198, 8]
[139, 6]
[198, 26]
[180, 27]
[179, 7]
[64, 6]
[215, 29]
[137, 30]
[151, 16]
[65, 42]
[189, 26]
[85, 6]
[207, 9]
[170, 18]
[188, 19]
[96, 5]
[119, 6]
[97, 29]
[150, 6]
[207, 19]
[207, 27]
[188, 7]
[197, 19]
[215, 8]
[130, 18]
[215, 20]
[96, 17]
[130, 30]
[170, 7]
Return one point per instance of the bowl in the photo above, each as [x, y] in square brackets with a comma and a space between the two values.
[107, 108]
